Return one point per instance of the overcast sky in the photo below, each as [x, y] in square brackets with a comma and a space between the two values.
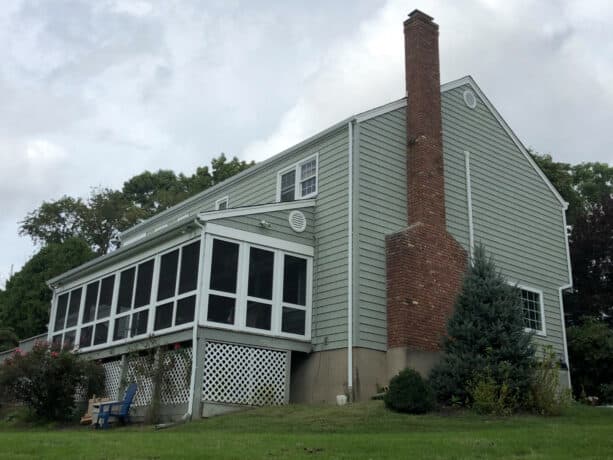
[94, 92]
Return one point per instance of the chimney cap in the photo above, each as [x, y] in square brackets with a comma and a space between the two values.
[416, 14]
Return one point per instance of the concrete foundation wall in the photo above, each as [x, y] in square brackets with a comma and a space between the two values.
[319, 377]
[399, 358]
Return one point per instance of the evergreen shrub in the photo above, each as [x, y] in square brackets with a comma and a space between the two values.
[486, 342]
[409, 392]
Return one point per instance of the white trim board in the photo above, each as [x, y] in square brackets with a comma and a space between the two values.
[256, 209]
[275, 243]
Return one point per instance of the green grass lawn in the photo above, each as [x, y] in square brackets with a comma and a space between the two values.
[360, 431]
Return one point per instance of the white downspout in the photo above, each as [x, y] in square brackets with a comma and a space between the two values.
[192, 388]
[469, 206]
[350, 267]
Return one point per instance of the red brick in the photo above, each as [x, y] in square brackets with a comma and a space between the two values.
[425, 264]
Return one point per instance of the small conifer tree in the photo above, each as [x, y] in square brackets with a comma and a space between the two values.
[485, 338]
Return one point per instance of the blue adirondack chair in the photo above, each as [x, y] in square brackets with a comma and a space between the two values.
[119, 409]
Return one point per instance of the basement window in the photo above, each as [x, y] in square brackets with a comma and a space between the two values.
[533, 309]
[298, 181]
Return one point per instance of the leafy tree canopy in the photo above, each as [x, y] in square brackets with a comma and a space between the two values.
[588, 188]
[106, 212]
[25, 302]
[583, 185]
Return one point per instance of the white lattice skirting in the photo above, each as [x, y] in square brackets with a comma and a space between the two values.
[112, 379]
[239, 374]
[175, 382]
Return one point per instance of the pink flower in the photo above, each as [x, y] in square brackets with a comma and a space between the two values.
[17, 351]
[54, 354]
[177, 346]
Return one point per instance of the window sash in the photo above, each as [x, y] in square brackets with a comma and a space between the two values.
[299, 181]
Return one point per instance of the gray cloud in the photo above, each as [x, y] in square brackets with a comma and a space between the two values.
[95, 92]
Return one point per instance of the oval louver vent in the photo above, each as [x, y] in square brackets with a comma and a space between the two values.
[470, 99]
[297, 221]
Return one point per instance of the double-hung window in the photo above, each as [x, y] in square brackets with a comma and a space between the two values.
[532, 303]
[299, 181]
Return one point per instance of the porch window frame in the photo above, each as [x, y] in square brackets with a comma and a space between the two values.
[154, 255]
[246, 240]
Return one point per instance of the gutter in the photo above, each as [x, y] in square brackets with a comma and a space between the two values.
[99, 262]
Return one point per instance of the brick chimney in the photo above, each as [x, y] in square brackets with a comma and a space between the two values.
[425, 264]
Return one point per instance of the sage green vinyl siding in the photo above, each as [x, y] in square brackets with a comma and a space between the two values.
[381, 201]
[327, 230]
[279, 225]
[515, 215]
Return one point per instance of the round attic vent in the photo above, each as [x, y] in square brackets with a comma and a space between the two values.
[297, 221]
[470, 99]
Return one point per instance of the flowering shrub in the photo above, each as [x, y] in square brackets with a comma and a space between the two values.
[47, 380]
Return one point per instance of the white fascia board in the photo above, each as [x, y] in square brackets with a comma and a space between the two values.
[119, 254]
[382, 110]
[256, 209]
[468, 80]
[256, 238]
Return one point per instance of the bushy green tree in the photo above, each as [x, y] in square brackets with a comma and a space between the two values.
[590, 346]
[8, 339]
[25, 302]
[485, 337]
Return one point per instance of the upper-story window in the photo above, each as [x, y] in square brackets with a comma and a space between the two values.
[221, 204]
[533, 310]
[299, 181]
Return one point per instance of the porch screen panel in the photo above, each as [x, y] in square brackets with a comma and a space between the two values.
[188, 279]
[73, 308]
[91, 298]
[60, 315]
[293, 316]
[106, 297]
[143, 284]
[260, 288]
[126, 290]
[224, 275]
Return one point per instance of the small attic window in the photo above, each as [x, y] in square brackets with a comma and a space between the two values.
[298, 181]
[470, 99]
[221, 204]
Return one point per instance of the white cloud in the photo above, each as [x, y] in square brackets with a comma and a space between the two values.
[44, 152]
[95, 92]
